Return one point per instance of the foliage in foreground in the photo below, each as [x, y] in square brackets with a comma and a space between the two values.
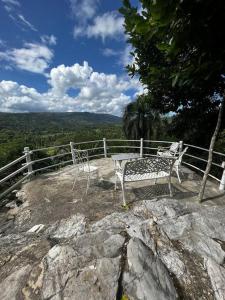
[179, 52]
[179, 55]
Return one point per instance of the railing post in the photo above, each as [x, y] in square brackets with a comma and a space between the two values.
[72, 152]
[105, 147]
[222, 181]
[180, 146]
[141, 147]
[27, 152]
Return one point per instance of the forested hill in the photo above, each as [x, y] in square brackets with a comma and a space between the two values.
[54, 122]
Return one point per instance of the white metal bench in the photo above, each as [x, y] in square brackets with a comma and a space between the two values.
[145, 169]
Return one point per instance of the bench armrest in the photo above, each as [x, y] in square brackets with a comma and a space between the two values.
[163, 148]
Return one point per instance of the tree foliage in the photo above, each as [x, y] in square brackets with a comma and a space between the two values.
[179, 54]
[179, 51]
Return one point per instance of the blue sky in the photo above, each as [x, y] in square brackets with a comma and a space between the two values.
[64, 55]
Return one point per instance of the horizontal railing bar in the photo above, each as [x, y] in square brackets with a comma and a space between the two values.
[13, 186]
[13, 174]
[111, 153]
[64, 162]
[218, 153]
[46, 148]
[92, 149]
[13, 163]
[151, 148]
[116, 140]
[152, 141]
[200, 170]
[50, 157]
[196, 157]
[133, 147]
[88, 142]
[214, 177]
[202, 159]
[197, 147]
[89, 156]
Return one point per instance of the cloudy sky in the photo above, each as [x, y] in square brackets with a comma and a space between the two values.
[64, 55]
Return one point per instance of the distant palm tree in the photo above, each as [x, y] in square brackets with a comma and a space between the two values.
[141, 121]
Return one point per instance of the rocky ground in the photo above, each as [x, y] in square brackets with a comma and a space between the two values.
[59, 245]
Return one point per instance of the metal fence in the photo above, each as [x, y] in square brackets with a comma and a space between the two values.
[36, 161]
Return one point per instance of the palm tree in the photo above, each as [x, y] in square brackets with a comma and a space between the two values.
[141, 121]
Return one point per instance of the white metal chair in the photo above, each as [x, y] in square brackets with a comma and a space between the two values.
[177, 163]
[173, 150]
[83, 167]
[145, 169]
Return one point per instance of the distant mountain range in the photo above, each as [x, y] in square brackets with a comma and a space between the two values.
[54, 122]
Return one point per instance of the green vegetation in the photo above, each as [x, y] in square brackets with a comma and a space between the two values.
[38, 130]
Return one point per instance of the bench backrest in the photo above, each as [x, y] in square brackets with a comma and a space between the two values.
[81, 158]
[174, 147]
[148, 165]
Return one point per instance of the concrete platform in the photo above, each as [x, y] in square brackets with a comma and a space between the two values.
[49, 197]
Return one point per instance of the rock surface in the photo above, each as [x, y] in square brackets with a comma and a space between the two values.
[158, 249]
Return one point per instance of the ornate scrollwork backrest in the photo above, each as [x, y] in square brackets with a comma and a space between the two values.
[174, 147]
[81, 158]
[149, 165]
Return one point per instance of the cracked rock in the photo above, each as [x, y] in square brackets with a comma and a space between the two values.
[147, 277]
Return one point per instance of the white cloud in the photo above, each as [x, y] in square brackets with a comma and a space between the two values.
[26, 23]
[17, 98]
[62, 78]
[126, 58]
[11, 2]
[107, 25]
[2, 43]
[9, 5]
[110, 52]
[97, 92]
[89, 24]
[32, 57]
[110, 25]
[49, 39]
[83, 10]
[13, 8]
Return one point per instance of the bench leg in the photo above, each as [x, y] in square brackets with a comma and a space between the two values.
[115, 183]
[88, 184]
[123, 193]
[170, 188]
[75, 180]
[178, 175]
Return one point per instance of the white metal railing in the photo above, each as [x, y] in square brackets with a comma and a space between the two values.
[30, 163]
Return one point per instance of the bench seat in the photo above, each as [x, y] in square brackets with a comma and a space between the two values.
[139, 177]
[145, 169]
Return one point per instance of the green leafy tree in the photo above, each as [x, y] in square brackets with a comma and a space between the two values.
[179, 54]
